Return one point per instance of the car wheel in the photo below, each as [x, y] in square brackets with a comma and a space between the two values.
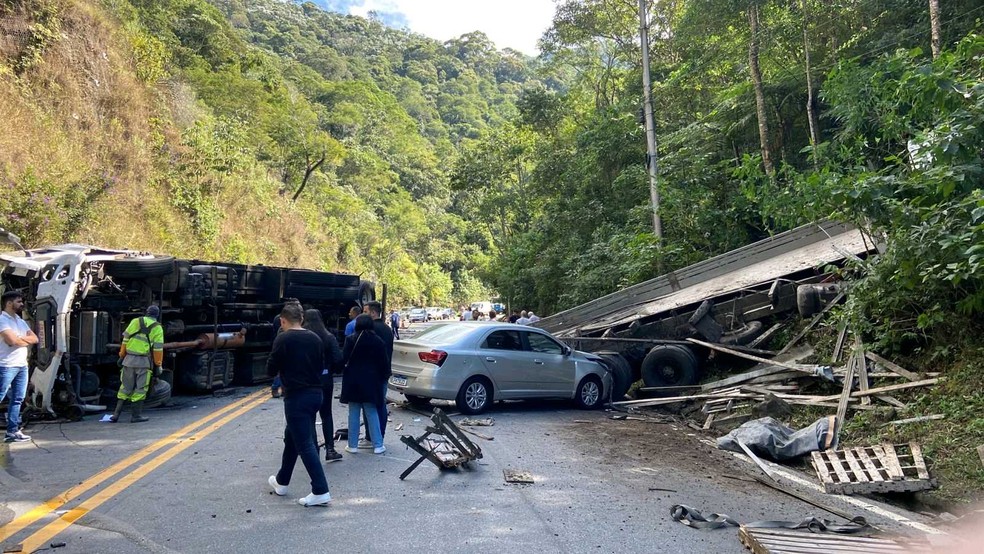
[589, 394]
[475, 396]
[418, 401]
[670, 365]
[621, 373]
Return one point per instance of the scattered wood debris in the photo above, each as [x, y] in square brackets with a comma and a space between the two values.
[870, 469]
[444, 444]
[915, 419]
[768, 541]
[484, 422]
[517, 476]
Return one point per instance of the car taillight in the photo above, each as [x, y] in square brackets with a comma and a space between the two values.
[435, 357]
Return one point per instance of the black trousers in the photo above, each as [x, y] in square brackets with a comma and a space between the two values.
[327, 423]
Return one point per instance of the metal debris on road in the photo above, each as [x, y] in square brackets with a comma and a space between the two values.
[443, 444]
[517, 476]
[484, 422]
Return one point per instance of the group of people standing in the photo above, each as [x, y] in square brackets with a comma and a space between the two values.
[306, 357]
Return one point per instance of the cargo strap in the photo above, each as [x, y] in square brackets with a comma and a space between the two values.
[693, 518]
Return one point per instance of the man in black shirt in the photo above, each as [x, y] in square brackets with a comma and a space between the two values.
[298, 358]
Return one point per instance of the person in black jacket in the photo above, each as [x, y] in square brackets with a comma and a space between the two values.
[375, 310]
[333, 357]
[298, 358]
[366, 365]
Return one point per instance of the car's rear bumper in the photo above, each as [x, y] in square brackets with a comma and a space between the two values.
[427, 383]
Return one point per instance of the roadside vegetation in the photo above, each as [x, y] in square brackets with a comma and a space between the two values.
[274, 132]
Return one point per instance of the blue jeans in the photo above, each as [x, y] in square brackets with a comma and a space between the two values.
[382, 414]
[301, 408]
[14, 379]
[372, 422]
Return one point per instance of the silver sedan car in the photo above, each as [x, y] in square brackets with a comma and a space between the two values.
[479, 362]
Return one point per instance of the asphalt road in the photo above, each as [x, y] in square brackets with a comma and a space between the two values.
[204, 488]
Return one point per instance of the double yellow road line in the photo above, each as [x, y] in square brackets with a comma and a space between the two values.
[177, 442]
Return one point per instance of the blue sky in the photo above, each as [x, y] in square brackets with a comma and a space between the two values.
[515, 24]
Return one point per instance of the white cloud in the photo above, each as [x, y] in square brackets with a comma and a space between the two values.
[515, 24]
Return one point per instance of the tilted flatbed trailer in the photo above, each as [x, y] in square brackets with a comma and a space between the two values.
[218, 318]
[725, 299]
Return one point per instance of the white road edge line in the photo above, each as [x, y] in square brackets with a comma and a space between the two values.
[896, 517]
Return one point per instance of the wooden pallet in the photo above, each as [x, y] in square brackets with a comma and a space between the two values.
[869, 469]
[774, 541]
[443, 444]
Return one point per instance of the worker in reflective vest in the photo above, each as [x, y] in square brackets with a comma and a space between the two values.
[141, 356]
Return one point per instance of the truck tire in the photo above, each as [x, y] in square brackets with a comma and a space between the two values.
[367, 292]
[744, 335]
[621, 373]
[139, 268]
[159, 394]
[807, 300]
[670, 365]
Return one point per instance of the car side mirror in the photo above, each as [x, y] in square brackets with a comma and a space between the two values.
[568, 350]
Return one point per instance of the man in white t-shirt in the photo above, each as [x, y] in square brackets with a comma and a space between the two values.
[15, 336]
[533, 318]
[466, 315]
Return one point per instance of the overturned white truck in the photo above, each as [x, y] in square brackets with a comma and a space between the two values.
[217, 318]
[728, 299]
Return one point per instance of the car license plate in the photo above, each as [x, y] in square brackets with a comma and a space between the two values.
[398, 380]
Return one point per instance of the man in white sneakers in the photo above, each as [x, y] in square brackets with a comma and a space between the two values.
[16, 336]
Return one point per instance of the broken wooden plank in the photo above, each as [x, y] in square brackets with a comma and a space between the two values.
[816, 319]
[914, 419]
[862, 368]
[757, 460]
[719, 348]
[709, 421]
[839, 345]
[895, 368]
[892, 400]
[891, 462]
[743, 377]
[900, 386]
[845, 395]
[917, 459]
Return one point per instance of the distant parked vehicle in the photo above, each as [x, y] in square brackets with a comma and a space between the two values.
[476, 363]
[417, 315]
[434, 314]
[447, 313]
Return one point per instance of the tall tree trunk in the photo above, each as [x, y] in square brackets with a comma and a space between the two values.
[309, 169]
[811, 114]
[934, 26]
[753, 65]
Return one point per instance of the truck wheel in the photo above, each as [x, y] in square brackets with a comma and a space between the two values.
[475, 396]
[670, 365]
[139, 268]
[367, 292]
[158, 395]
[744, 335]
[589, 394]
[621, 373]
